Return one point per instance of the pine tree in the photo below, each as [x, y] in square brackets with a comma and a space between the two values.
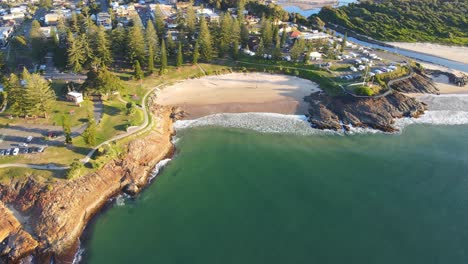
[150, 60]
[235, 49]
[196, 53]
[277, 50]
[206, 46]
[84, 43]
[244, 35]
[225, 34]
[260, 49]
[163, 57]
[152, 41]
[75, 54]
[89, 135]
[235, 31]
[101, 47]
[38, 94]
[343, 42]
[180, 59]
[67, 128]
[119, 42]
[16, 99]
[136, 43]
[138, 73]
[297, 49]
[38, 43]
[170, 43]
[191, 20]
[159, 21]
[284, 35]
[266, 32]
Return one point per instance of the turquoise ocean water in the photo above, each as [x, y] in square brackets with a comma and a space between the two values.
[240, 196]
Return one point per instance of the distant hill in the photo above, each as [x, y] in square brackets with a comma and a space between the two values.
[438, 21]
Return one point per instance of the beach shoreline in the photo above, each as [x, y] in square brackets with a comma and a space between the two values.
[443, 51]
[239, 93]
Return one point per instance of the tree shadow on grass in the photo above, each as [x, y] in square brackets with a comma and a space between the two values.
[112, 110]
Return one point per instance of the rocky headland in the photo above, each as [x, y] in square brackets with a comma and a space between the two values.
[342, 112]
[40, 221]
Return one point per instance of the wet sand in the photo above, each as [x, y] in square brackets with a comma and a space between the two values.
[455, 53]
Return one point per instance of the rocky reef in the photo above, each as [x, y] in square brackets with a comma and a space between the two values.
[40, 222]
[341, 112]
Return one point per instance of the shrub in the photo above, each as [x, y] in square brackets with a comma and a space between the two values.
[364, 90]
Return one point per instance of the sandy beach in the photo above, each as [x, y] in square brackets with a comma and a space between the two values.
[455, 53]
[239, 93]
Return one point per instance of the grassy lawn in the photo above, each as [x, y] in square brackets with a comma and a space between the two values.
[115, 121]
[78, 115]
[8, 174]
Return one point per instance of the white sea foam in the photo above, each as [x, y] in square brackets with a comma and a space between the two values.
[443, 110]
[78, 255]
[158, 168]
[443, 117]
[120, 200]
[260, 122]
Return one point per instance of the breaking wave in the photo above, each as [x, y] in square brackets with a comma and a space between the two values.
[260, 122]
[443, 110]
[158, 168]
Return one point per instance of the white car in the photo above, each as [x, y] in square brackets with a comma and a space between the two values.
[15, 152]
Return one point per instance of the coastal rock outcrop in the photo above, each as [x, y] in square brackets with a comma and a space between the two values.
[15, 242]
[328, 112]
[419, 83]
[59, 212]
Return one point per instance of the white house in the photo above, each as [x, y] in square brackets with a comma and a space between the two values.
[315, 55]
[75, 97]
[5, 33]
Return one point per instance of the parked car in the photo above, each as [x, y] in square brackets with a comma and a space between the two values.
[15, 152]
[29, 139]
[2, 152]
[7, 152]
[23, 150]
[30, 150]
[41, 149]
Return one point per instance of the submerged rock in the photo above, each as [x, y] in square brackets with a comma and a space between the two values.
[131, 189]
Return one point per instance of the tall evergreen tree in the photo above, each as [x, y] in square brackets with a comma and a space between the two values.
[119, 42]
[226, 34]
[343, 42]
[284, 35]
[16, 98]
[67, 128]
[138, 73]
[191, 20]
[89, 135]
[235, 49]
[150, 60]
[196, 53]
[170, 43]
[75, 53]
[260, 49]
[244, 35]
[152, 40]
[38, 94]
[163, 57]
[267, 33]
[159, 21]
[136, 43]
[180, 58]
[101, 47]
[206, 46]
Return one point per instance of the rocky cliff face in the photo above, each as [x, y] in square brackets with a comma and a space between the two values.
[419, 83]
[336, 113]
[59, 213]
